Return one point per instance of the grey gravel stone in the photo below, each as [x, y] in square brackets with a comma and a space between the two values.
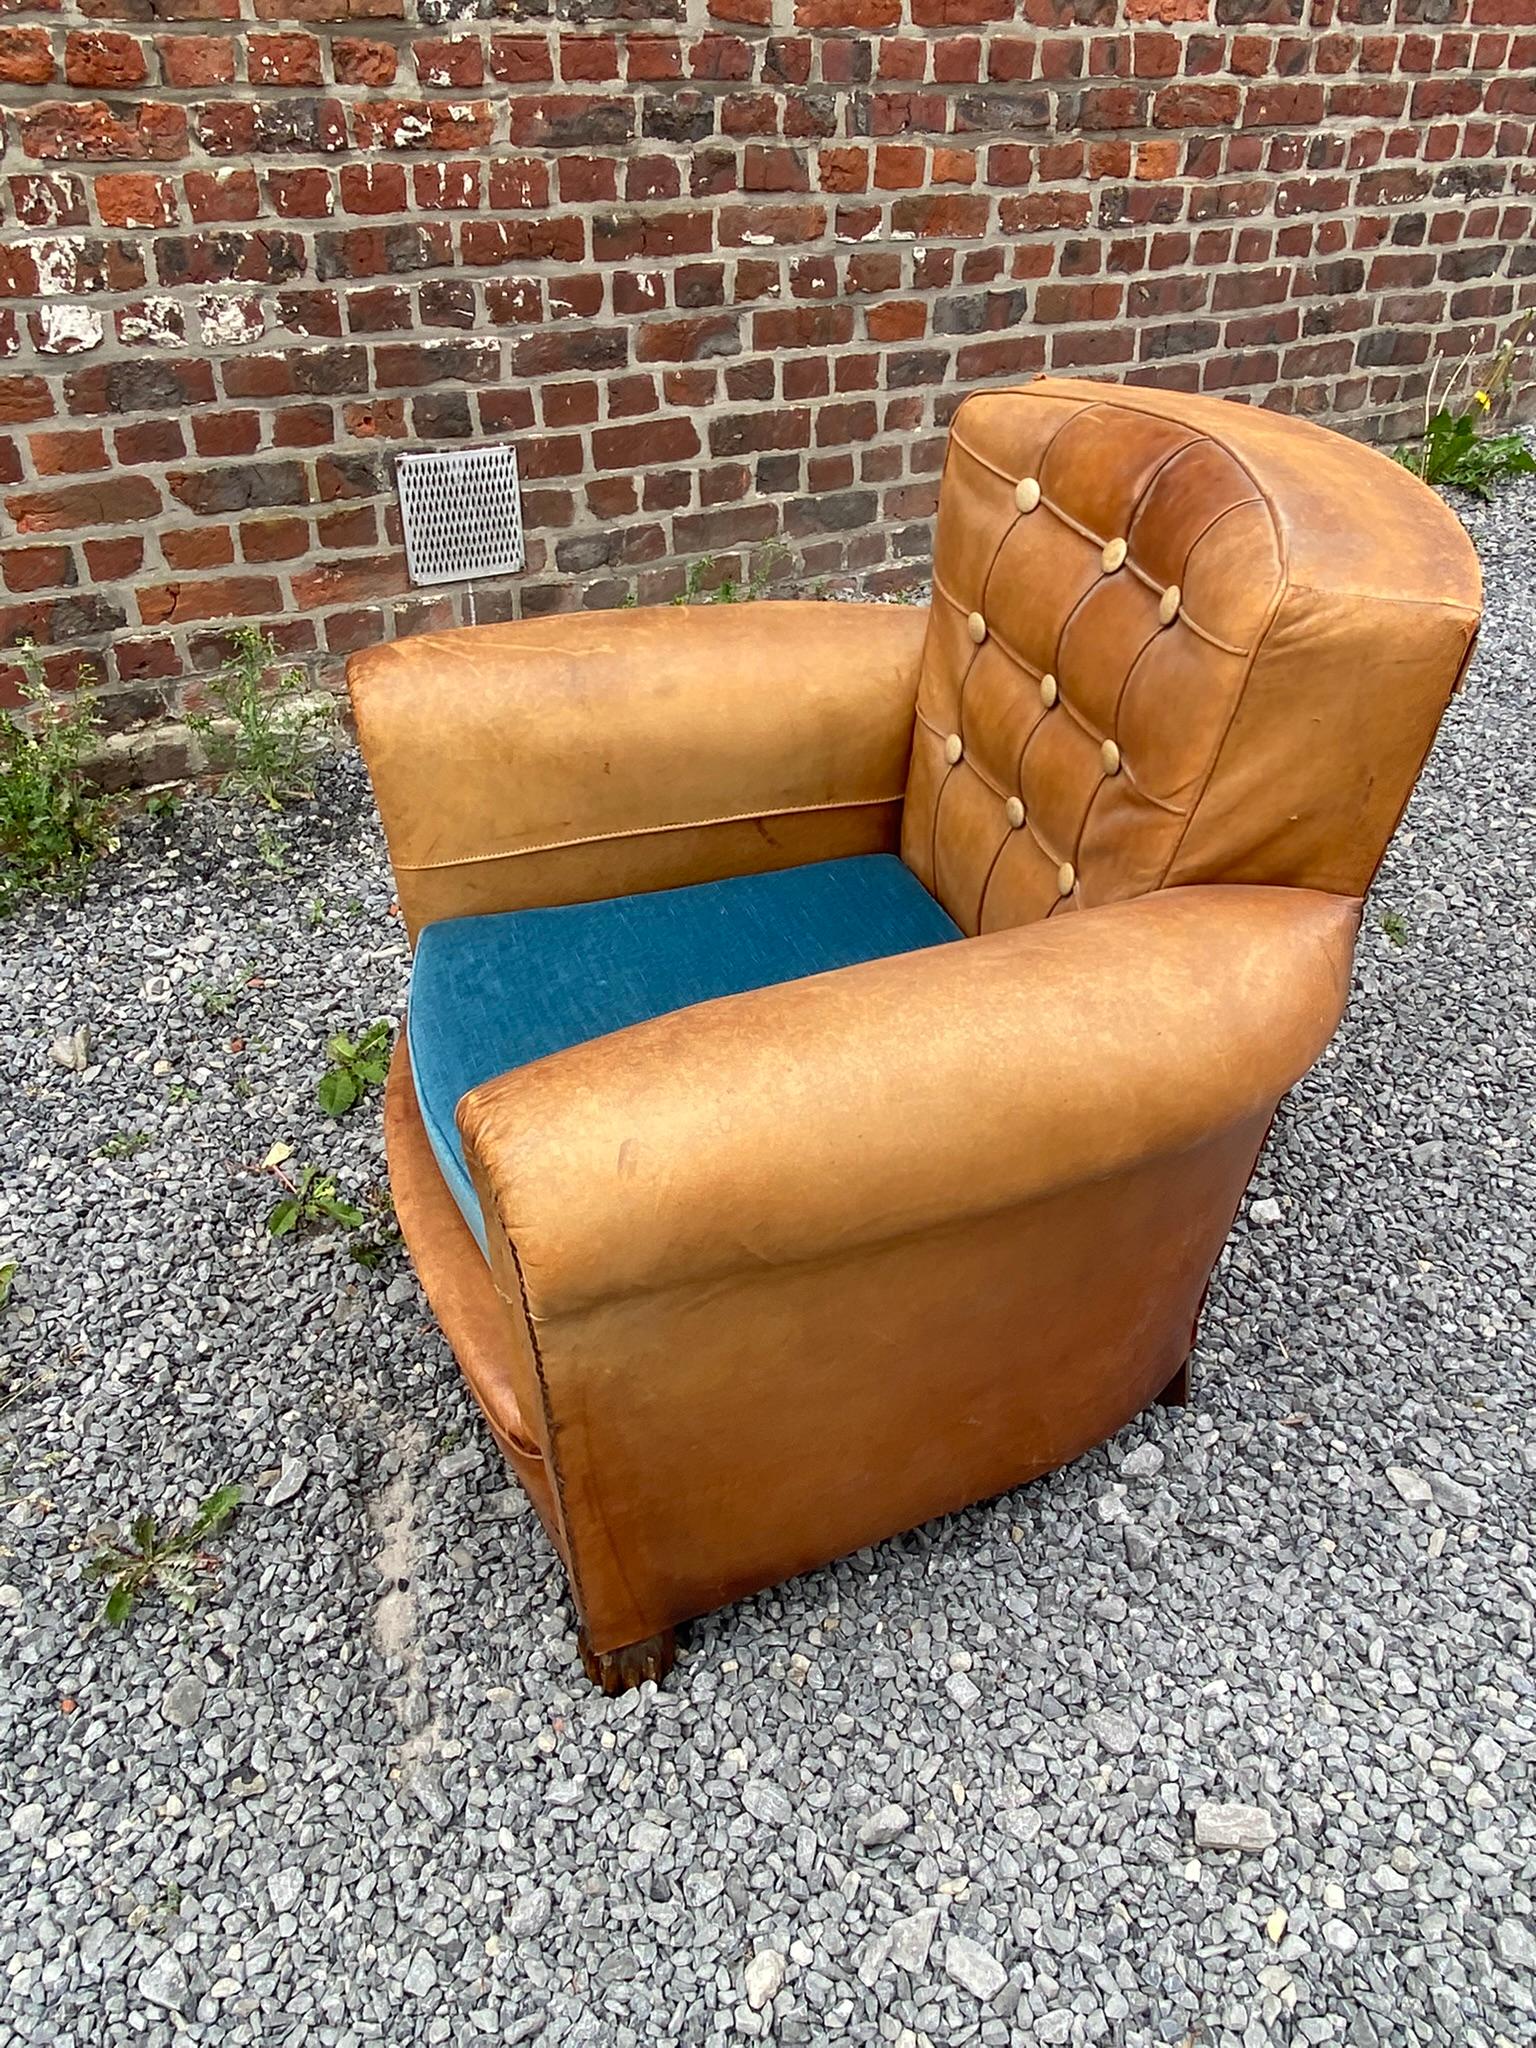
[421, 1973]
[884, 1825]
[529, 1914]
[912, 1937]
[1233, 1827]
[1410, 1486]
[973, 1968]
[1115, 1732]
[164, 1983]
[764, 1976]
[182, 1704]
[1265, 1211]
[1259, 1600]
[767, 1802]
[963, 1690]
[290, 1478]
[1451, 1495]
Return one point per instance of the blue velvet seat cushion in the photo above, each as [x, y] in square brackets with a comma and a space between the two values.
[492, 993]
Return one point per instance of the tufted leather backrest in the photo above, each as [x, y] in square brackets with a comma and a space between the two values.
[1172, 640]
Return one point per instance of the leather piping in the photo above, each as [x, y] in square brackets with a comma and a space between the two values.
[469, 860]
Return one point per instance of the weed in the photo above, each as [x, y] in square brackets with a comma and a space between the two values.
[1395, 925]
[373, 1245]
[173, 1562]
[706, 585]
[219, 999]
[354, 1068]
[123, 1144]
[52, 823]
[316, 915]
[9, 1268]
[183, 1094]
[1455, 446]
[311, 1203]
[162, 803]
[272, 849]
[266, 735]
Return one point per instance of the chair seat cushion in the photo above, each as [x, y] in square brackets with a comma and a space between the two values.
[492, 993]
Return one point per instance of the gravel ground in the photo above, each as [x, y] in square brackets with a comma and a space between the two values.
[953, 1790]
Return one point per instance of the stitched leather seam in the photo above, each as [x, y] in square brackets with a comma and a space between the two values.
[551, 1462]
[1062, 704]
[986, 584]
[986, 779]
[469, 860]
[1076, 526]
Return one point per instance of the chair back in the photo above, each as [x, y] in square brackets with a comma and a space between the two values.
[1173, 640]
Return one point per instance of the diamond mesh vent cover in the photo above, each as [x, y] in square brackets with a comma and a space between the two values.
[461, 512]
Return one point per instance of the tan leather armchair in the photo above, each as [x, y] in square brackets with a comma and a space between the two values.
[755, 1280]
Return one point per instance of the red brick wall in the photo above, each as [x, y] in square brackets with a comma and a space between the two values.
[721, 268]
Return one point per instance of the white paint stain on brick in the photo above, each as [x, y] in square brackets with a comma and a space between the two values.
[68, 330]
[152, 323]
[58, 265]
[230, 322]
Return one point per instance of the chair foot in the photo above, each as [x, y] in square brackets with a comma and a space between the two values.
[622, 1669]
[1176, 1393]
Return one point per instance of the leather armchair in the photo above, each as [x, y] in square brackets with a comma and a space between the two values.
[753, 1280]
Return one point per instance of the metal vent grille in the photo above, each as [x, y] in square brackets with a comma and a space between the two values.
[462, 514]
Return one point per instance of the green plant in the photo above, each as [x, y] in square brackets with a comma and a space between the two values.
[312, 1202]
[704, 583]
[183, 1094]
[272, 849]
[1455, 446]
[355, 1067]
[1395, 925]
[218, 999]
[173, 1562]
[123, 1144]
[162, 803]
[373, 1245]
[8, 1271]
[52, 823]
[266, 734]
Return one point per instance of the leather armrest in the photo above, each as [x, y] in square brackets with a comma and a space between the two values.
[565, 759]
[905, 1096]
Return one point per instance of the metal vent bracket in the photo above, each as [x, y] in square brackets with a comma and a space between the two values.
[462, 513]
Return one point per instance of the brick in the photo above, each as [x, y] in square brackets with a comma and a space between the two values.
[104, 60]
[218, 597]
[358, 60]
[135, 199]
[191, 61]
[26, 56]
[111, 502]
[31, 569]
[89, 130]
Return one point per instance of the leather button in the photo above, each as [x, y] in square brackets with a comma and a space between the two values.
[1066, 879]
[1027, 493]
[1113, 555]
[1048, 691]
[954, 749]
[1109, 754]
[1015, 811]
[976, 626]
[1168, 605]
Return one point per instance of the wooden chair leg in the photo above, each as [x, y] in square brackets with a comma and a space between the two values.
[622, 1669]
[1176, 1393]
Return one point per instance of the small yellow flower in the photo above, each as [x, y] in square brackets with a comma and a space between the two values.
[1483, 400]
